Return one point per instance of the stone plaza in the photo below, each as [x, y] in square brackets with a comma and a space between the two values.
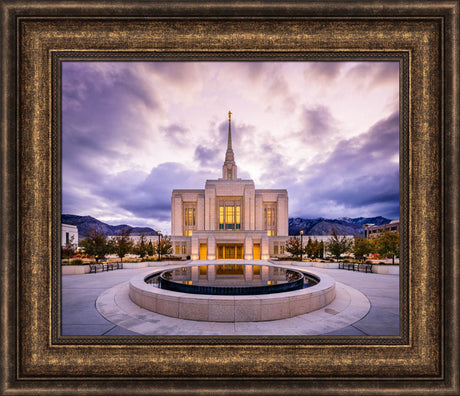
[99, 304]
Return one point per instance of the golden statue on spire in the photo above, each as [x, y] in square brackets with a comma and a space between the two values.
[229, 116]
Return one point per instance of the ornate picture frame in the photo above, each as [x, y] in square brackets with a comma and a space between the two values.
[38, 36]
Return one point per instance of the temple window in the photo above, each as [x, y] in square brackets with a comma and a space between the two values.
[229, 215]
[270, 220]
[189, 220]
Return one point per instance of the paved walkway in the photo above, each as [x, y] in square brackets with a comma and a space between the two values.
[366, 304]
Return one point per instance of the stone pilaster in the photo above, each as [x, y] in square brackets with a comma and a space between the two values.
[195, 248]
[264, 252]
[248, 254]
[211, 247]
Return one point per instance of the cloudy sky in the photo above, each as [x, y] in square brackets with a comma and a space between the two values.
[328, 132]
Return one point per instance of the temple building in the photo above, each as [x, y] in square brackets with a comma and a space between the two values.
[229, 218]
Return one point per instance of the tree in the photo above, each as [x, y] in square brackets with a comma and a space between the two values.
[165, 246]
[314, 248]
[317, 248]
[293, 246]
[309, 248]
[338, 245]
[150, 249]
[95, 244]
[68, 249]
[321, 250]
[122, 244]
[387, 244]
[141, 246]
[362, 247]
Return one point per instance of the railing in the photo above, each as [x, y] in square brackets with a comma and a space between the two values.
[231, 290]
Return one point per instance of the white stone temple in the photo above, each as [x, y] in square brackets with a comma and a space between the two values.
[229, 218]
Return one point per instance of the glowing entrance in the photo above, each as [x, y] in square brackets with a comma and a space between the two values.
[256, 252]
[230, 252]
[203, 251]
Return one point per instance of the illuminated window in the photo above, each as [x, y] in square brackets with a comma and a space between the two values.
[189, 216]
[270, 221]
[229, 174]
[189, 220]
[177, 249]
[281, 249]
[275, 249]
[184, 248]
[229, 215]
[221, 218]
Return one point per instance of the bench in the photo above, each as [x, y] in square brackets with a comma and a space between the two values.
[93, 268]
[120, 265]
[350, 266]
[366, 267]
[107, 266]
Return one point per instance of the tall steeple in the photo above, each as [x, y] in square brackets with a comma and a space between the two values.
[229, 156]
[229, 168]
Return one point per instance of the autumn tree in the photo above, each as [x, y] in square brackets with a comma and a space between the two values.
[165, 246]
[141, 246]
[293, 246]
[387, 244]
[314, 248]
[95, 244]
[362, 247]
[338, 245]
[122, 244]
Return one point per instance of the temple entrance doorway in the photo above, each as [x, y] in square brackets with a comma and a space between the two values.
[256, 251]
[203, 251]
[230, 251]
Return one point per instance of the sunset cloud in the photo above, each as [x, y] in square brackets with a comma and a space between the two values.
[133, 131]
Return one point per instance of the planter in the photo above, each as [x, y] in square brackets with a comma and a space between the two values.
[326, 265]
[167, 262]
[135, 265]
[385, 269]
[75, 269]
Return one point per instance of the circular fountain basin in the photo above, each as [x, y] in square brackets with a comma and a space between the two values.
[231, 279]
[232, 292]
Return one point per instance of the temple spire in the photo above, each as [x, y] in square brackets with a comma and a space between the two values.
[229, 169]
[229, 139]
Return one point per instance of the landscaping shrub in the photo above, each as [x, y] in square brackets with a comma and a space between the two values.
[368, 262]
[346, 261]
[76, 262]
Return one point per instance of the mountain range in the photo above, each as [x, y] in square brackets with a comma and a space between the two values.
[319, 226]
[343, 225]
[85, 223]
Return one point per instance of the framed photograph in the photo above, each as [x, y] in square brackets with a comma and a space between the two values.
[153, 110]
[141, 139]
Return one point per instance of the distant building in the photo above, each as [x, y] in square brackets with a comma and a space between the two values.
[69, 234]
[372, 231]
[229, 218]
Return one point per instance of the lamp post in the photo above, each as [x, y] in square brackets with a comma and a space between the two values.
[159, 248]
[301, 245]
